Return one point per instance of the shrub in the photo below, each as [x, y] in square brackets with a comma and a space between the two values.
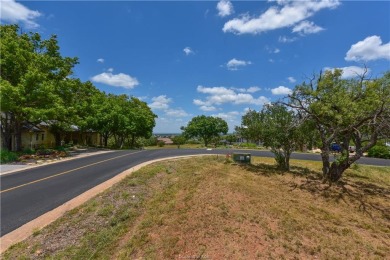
[60, 148]
[379, 151]
[7, 156]
[160, 143]
[28, 151]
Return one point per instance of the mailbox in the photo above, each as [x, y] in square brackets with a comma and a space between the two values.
[242, 157]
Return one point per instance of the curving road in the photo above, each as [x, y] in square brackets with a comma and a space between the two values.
[27, 194]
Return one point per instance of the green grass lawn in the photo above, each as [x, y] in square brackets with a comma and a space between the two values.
[206, 208]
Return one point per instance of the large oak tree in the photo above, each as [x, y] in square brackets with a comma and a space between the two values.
[205, 127]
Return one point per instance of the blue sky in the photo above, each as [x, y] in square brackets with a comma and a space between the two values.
[216, 58]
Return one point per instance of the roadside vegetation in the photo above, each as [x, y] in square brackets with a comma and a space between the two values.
[38, 85]
[209, 207]
[41, 154]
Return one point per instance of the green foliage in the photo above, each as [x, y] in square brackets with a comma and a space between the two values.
[231, 138]
[379, 151]
[277, 127]
[160, 143]
[349, 111]
[37, 85]
[142, 141]
[193, 141]
[179, 140]
[28, 151]
[281, 132]
[61, 148]
[7, 156]
[34, 80]
[205, 127]
[248, 145]
[251, 126]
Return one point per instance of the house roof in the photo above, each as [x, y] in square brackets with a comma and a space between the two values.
[31, 127]
[165, 140]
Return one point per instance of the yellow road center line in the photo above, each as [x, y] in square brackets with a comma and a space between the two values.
[62, 173]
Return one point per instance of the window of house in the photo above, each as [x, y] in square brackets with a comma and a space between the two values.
[37, 137]
[43, 136]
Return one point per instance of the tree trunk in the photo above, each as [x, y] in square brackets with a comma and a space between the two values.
[18, 136]
[132, 141]
[57, 137]
[105, 140]
[287, 155]
[282, 159]
[6, 131]
[6, 138]
[336, 171]
[325, 160]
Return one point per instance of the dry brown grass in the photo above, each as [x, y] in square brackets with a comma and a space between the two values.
[205, 208]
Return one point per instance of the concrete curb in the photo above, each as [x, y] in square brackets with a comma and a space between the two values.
[27, 229]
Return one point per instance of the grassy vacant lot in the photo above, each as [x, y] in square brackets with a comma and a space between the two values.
[205, 208]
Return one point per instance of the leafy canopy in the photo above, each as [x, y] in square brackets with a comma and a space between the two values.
[205, 127]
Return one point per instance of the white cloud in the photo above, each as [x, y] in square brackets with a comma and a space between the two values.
[222, 95]
[207, 108]
[229, 116]
[285, 39]
[188, 51]
[272, 50]
[253, 89]
[289, 13]
[239, 89]
[176, 112]
[249, 90]
[307, 27]
[281, 90]
[235, 64]
[351, 71]
[225, 8]
[292, 79]
[14, 12]
[160, 102]
[100, 60]
[116, 80]
[370, 48]
[215, 90]
[199, 102]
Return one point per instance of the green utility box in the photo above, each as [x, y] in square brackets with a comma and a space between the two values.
[242, 157]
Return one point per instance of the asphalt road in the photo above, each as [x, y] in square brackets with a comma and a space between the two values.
[27, 194]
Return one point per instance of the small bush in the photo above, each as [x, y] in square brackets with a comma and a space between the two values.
[7, 156]
[160, 143]
[28, 151]
[379, 151]
[61, 148]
